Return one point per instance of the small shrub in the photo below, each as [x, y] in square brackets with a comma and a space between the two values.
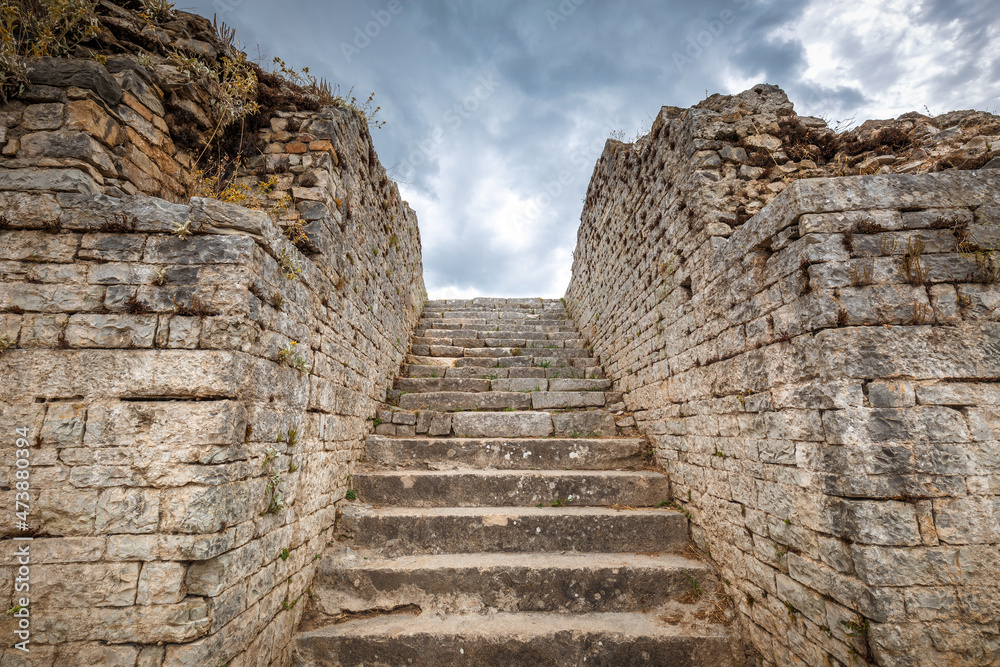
[157, 11]
[915, 274]
[862, 276]
[255, 196]
[6, 343]
[38, 29]
[291, 266]
[351, 494]
[198, 308]
[289, 356]
[135, 306]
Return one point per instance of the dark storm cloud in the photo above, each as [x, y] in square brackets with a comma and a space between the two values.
[496, 111]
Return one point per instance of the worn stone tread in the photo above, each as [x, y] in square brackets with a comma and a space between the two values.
[461, 400]
[402, 530]
[562, 582]
[462, 488]
[516, 639]
[507, 453]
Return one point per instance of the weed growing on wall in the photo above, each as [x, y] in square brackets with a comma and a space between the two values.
[39, 29]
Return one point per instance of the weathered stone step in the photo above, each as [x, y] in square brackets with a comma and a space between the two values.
[536, 334]
[492, 323]
[521, 361]
[354, 581]
[451, 401]
[506, 341]
[406, 530]
[503, 488]
[439, 384]
[515, 640]
[517, 330]
[507, 453]
[455, 351]
[586, 424]
[453, 384]
[478, 373]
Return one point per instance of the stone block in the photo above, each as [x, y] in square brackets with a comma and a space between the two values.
[67, 511]
[123, 510]
[891, 394]
[502, 424]
[214, 576]
[592, 424]
[79, 73]
[208, 509]
[110, 331]
[34, 246]
[67, 144]
[37, 179]
[85, 585]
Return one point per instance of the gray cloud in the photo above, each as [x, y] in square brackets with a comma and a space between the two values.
[498, 177]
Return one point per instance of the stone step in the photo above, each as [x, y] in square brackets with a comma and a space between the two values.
[473, 334]
[414, 530]
[456, 384]
[511, 488]
[479, 373]
[521, 361]
[516, 640]
[507, 453]
[508, 342]
[456, 351]
[453, 401]
[584, 424]
[533, 331]
[354, 582]
[440, 384]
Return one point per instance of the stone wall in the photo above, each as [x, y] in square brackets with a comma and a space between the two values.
[194, 387]
[820, 381]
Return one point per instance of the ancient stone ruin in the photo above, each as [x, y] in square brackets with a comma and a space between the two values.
[761, 428]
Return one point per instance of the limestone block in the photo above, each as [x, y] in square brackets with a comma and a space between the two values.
[114, 331]
[48, 180]
[67, 511]
[214, 576]
[43, 116]
[141, 624]
[35, 246]
[207, 509]
[68, 144]
[122, 510]
[65, 72]
[161, 583]
[86, 585]
[64, 425]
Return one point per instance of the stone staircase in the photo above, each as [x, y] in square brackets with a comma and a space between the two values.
[504, 518]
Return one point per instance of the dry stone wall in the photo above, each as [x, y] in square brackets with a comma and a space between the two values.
[820, 381]
[194, 387]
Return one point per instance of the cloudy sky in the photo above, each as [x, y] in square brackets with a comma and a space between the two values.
[496, 111]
